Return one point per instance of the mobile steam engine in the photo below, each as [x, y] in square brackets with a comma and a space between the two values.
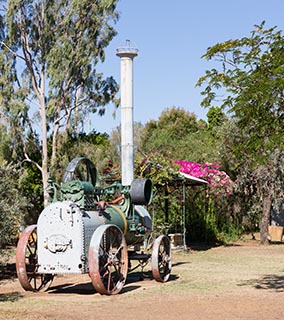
[90, 229]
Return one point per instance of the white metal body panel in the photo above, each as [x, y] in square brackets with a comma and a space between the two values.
[64, 232]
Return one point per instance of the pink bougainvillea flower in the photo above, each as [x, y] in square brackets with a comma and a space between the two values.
[218, 181]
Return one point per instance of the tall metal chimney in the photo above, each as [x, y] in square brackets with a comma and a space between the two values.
[127, 52]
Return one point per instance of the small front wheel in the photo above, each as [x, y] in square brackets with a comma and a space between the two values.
[108, 259]
[161, 259]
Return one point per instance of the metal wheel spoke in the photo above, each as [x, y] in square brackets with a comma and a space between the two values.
[161, 259]
[26, 262]
[104, 271]
[117, 266]
[103, 247]
[29, 249]
[35, 284]
[109, 280]
[118, 250]
[108, 251]
[162, 264]
[162, 250]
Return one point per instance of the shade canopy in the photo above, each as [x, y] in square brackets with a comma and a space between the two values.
[190, 180]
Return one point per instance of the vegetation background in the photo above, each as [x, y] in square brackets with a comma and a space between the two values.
[49, 85]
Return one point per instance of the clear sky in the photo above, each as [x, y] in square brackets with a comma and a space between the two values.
[171, 37]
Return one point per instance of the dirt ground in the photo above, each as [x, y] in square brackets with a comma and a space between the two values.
[239, 281]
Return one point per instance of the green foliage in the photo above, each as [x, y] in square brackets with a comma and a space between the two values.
[5, 145]
[49, 82]
[250, 79]
[93, 145]
[210, 219]
[12, 204]
[254, 184]
[179, 135]
[172, 125]
[216, 117]
[155, 158]
[158, 167]
[251, 75]
[30, 184]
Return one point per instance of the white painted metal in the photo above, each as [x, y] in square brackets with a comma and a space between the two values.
[64, 233]
[127, 53]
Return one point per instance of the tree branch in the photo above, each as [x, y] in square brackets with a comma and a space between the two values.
[28, 159]
[12, 51]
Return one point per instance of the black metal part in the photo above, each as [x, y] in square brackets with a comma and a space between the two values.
[141, 191]
[74, 172]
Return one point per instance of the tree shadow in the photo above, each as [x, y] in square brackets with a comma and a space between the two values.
[267, 282]
[10, 297]
[202, 246]
[8, 271]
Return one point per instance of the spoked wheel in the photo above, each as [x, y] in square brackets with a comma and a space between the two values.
[161, 259]
[27, 264]
[108, 259]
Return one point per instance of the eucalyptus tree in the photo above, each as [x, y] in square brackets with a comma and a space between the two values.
[49, 78]
[248, 82]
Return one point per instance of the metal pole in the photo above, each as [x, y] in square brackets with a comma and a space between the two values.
[183, 212]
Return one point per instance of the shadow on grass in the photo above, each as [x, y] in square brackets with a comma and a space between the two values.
[147, 276]
[132, 283]
[202, 246]
[67, 288]
[267, 282]
[8, 271]
[180, 263]
[83, 289]
[10, 297]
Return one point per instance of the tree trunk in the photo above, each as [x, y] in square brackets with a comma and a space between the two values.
[267, 202]
[54, 145]
[44, 165]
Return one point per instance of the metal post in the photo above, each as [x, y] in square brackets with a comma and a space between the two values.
[183, 212]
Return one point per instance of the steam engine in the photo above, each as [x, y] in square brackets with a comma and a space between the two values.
[82, 231]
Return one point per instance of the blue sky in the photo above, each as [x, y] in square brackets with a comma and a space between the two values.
[171, 37]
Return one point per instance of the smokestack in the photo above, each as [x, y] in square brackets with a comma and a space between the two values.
[127, 52]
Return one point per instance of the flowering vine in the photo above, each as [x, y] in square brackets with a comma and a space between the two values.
[219, 182]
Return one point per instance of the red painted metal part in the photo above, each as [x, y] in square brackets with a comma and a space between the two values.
[21, 257]
[26, 262]
[108, 259]
[161, 259]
